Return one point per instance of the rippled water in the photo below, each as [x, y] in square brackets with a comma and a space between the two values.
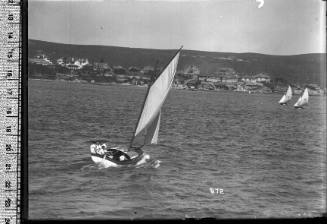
[269, 160]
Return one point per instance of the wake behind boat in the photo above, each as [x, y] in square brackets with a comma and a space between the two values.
[303, 100]
[147, 128]
[286, 97]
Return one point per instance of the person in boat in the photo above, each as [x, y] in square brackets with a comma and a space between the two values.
[97, 148]
[93, 148]
[111, 153]
[117, 155]
[100, 149]
[104, 146]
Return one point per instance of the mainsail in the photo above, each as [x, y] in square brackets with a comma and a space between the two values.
[287, 96]
[151, 136]
[149, 121]
[304, 99]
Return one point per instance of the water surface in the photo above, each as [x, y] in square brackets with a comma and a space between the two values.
[268, 159]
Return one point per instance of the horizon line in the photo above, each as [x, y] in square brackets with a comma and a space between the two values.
[170, 49]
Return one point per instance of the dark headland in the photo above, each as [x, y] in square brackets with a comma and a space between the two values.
[248, 72]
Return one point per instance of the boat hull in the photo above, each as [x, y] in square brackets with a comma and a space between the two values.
[105, 162]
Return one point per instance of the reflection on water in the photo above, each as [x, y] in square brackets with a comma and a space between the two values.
[268, 159]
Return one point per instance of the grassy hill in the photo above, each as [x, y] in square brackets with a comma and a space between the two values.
[295, 69]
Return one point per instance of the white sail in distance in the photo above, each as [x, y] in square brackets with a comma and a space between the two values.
[149, 120]
[303, 100]
[287, 96]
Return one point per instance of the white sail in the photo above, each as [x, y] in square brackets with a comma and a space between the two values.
[305, 96]
[157, 93]
[151, 136]
[304, 99]
[287, 96]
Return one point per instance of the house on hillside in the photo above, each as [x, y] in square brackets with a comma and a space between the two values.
[60, 61]
[203, 77]
[121, 78]
[81, 62]
[40, 59]
[262, 77]
[255, 78]
[72, 67]
[212, 79]
[225, 75]
[108, 72]
[191, 71]
[73, 63]
[248, 78]
[100, 66]
[259, 78]
[147, 69]
[229, 78]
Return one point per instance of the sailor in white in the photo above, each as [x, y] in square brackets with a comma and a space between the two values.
[101, 149]
[104, 146]
[98, 149]
[92, 148]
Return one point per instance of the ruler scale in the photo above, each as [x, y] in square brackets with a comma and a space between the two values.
[10, 111]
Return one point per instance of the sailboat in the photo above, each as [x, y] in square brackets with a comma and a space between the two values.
[286, 97]
[147, 127]
[303, 100]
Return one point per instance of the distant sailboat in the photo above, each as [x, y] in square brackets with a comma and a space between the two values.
[147, 127]
[286, 97]
[303, 100]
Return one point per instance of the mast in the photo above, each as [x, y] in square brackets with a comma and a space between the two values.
[147, 93]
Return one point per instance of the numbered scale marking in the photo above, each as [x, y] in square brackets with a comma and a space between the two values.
[10, 111]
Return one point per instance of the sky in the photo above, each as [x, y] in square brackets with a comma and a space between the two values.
[277, 27]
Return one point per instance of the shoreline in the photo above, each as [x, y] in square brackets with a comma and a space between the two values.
[174, 88]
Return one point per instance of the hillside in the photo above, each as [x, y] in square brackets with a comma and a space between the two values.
[300, 69]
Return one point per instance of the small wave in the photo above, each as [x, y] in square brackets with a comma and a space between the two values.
[145, 164]
[89, 167]
[314, 182]
[154, 164]
[167, 147]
